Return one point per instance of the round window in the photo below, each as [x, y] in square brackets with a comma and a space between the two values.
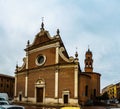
[40, 60]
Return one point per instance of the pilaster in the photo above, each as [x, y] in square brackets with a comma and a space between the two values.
[76, 81]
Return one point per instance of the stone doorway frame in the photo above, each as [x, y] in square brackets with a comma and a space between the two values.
[66, 93]
[40, 83]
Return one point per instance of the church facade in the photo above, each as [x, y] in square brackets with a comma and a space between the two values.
[49, 75]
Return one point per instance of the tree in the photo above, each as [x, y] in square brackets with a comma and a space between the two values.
[105, 96]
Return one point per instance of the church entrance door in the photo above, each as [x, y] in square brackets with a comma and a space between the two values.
[20, 97]
[40, 95]
[65, 99]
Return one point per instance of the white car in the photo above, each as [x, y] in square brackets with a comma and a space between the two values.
[114, 108]
[11, 107]
[2, 99]
[4, 103]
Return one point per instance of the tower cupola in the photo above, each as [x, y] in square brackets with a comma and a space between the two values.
[88, 61]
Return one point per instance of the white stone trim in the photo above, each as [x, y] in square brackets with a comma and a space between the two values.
[67, 66]
[73, 101]
[40, 64]
[26, 61]
[57, 55]
[56, 72]
[40, 84]
[44, 47]
[56, 84]
[76, 81]
[15, 93]
[71, 59]
[26, 86]
[50, 100]
[67, 92]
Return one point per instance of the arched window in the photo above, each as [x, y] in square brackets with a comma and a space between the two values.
[86, 64]
[90, 65]
[86, 90]
[94, 92]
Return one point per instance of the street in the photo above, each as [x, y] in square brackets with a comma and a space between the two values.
[86, 107]
[94, 107]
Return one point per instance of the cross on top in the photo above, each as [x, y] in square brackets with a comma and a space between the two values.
[42, 25]
[42, 19]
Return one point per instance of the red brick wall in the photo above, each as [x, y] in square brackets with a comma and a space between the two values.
[83, 81]
[49, 77]
[66, 81]
[50, 57]
[21, 84]
[95, 81]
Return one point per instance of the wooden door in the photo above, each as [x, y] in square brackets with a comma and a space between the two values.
[65, 99]
[20, 97]
[39, 94]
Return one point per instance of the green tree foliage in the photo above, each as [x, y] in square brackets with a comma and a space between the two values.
[105, 96]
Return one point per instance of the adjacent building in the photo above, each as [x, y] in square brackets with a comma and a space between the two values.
[118, 91]
[50, 75]
[106, 89]
[7, 85]
[113, 91]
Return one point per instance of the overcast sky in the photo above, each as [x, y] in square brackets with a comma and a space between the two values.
[81, 22]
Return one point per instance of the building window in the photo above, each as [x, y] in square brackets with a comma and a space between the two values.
[88, 57]
[94, 92]
[40, 60]
[7, 86]
[1, 79]
[1, 85]
[90, 64]
[86, 90]
[86, 64]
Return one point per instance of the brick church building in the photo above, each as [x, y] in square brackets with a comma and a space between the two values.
[49, 75]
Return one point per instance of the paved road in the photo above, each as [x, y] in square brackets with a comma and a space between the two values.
[38, 107]
[94, 107]
[89, 107]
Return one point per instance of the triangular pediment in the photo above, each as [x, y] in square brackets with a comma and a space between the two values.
[41, 37]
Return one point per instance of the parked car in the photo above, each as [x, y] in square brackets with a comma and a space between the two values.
[4, 102]
[116, 101]
[112, 108]
[89, 103]
[4, 95]
[2, 99]
[11, 107]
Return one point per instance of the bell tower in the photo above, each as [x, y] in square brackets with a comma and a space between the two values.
[88, 61]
